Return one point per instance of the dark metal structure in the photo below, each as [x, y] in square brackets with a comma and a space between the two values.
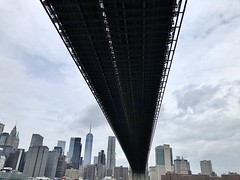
[124, 50]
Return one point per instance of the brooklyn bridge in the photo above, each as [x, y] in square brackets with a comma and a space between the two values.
[124, 50]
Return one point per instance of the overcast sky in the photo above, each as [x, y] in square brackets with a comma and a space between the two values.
[42, 91]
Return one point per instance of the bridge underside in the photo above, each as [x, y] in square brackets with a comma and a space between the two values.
[124, 50]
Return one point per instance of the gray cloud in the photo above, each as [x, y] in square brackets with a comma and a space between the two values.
[204, 125]
[192, 96]
[91, 115]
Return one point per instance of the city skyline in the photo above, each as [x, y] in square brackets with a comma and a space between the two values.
[43, 91]
[163, 156]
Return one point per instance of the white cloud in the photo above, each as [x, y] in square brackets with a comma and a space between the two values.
[210, 130]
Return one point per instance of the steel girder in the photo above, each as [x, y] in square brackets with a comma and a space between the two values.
[124, 50]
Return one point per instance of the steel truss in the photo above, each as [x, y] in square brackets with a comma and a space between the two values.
[124, 50]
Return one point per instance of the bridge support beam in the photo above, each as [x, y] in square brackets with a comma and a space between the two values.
[139, 176]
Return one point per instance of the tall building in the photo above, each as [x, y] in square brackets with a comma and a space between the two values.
[71, 146]
[111, 161]
[37, 140]
[163, 155]
[59, 150]
[81, 161]
[3, 138]
[16, 160]
[6, 150]
[181, 166]
[61, 144]
[61, 166]
[101, 157]
[95, 159]
[51, 166]
[101, 171]
[36, 160]
[206, 167]
[2, 161]
[88, 148]
[75, 152]
[13, 138]
[90, 172]
[1, 128]
[101, 168]
[164, 162]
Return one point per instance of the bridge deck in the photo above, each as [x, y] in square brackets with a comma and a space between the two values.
[124, 50]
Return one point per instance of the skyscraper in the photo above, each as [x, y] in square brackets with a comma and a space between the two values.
[181, 166]
[75, 152]
[101, 157]
[2, 161]
[37, 140]
[89, 172]
[51, 166]
[88, 148]
[111, 161]
[13, 138]
[163, 156]
[1, 128]
[71, 146]
[36, 161]
[58, 149]
[62, 144]
[164, 162]
[6, 150]
[206, 167]
[3, 138]
[101, 168]
[61, 164]
[16, 160]
[81, 161]
[95, 160]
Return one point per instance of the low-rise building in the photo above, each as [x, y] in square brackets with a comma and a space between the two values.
[72, 173]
